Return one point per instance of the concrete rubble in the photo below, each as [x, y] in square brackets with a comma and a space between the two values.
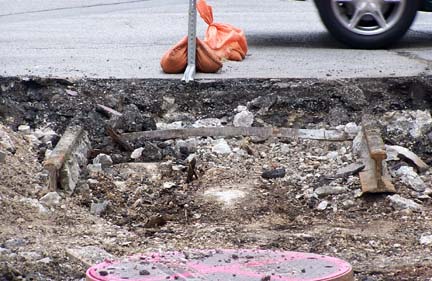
[295, 189]
[398, 202]
[51, 199]
[244, 118]
[415, 122]
[410, 178]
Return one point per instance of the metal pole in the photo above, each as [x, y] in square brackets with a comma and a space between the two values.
[190, 71]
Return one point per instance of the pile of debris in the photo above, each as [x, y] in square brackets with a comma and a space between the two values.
[146, 183]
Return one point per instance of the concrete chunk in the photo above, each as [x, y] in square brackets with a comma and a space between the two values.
[330, 190]
[89, 255]
[408, 176]
[399, 203]
[408, 155]
[67, 159]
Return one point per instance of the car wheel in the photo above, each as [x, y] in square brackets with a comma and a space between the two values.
[367, 23]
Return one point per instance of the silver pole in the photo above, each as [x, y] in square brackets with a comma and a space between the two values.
[190, 71]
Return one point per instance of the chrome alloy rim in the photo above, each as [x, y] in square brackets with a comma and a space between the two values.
[368, 17]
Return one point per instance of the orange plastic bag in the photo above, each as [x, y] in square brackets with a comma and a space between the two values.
[175, 59]
[227, 41]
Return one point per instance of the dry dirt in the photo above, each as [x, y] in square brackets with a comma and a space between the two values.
[152, 207]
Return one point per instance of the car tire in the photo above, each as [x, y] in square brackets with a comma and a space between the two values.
[354, 37]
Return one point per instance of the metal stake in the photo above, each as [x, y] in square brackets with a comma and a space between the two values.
[190, 71]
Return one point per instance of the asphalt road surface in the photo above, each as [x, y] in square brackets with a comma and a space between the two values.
[126, 39]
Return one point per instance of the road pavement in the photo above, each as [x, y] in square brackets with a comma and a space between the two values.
[126, 39]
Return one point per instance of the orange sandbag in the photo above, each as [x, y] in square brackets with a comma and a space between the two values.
[206, 59]
[229, 42]
[175, 59]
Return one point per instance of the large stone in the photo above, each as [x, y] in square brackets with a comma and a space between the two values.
[35, 204]
[400, 203]
[330, 190]
[51, 199]
[322, 205]
[103, 159]
[244, 118]
[133, 120]
[6, 142]
[352, 129]
[98, 209]
[137, 153]
[274, 173]
[221, 146]
[406, 154]
[89, 255]
[149, 153]
[409, 177]
[25, 129]
[46, 135]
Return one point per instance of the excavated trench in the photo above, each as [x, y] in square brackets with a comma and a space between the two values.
[159, 206]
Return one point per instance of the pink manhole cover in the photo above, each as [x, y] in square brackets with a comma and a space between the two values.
[223, 265]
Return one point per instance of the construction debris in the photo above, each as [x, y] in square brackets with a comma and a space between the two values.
[409, 156]
[409, 177]
[399, 203]
[351, 169]
[375, 177]
[119, 139]
[329, 135]
[330, 190]
[89, 255]
[51, 199]
[67, 159]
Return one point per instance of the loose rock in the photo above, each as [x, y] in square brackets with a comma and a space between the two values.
[133, 120]
[330, 190]
[352, 129]
[244, 118]
[6, 142]
[349, 170]
[137, 153]
[35, 204]
[103, 159]
[221, 147]
[407, 155]
[98, 209]
[410, 178]
[273, 174]
[400, 203]
[25, 129]
[426, 240]
[94, 169]
[322, 205]
[51, 199]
